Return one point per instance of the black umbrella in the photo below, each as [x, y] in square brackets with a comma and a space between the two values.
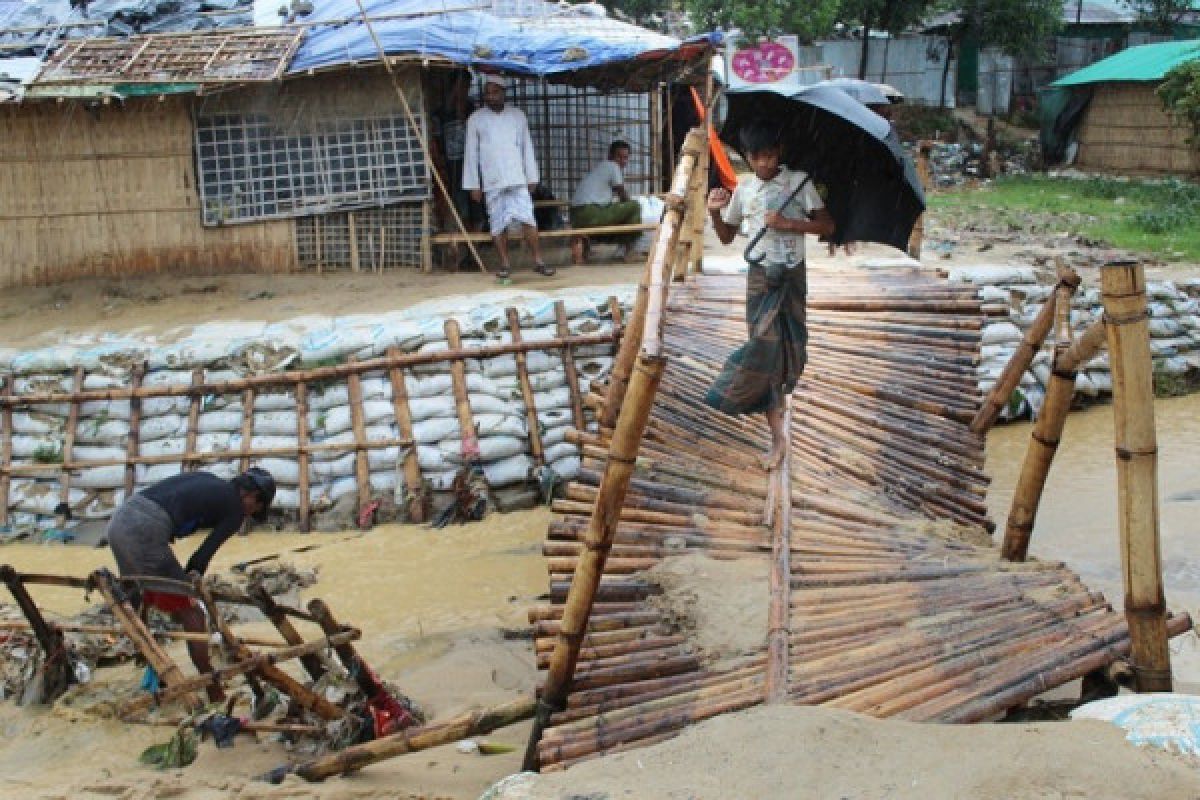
[852, 154]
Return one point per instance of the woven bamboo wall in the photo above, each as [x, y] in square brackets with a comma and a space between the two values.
[110, 191]
[1126, 130]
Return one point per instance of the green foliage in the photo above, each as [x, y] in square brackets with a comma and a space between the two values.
[1161, 218]
[1180, 94]
[1160, 15]
[922, 122]
[808, 20]
[1018, 27]
[48, 454]
[178, 751]
[649, 13]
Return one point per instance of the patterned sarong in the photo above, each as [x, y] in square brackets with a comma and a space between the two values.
[758, 374]
[509, 205]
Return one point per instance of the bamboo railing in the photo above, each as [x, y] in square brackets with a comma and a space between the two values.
[393, 365]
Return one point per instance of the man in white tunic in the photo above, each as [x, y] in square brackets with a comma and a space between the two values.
[499, 165]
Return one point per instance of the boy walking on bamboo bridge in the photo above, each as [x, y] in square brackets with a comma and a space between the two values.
[781, 206]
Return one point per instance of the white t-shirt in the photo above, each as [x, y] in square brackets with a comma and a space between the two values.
[597, 186]
[753, 198]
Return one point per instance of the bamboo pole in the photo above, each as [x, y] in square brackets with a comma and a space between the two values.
[362, 467]
[471, 723]
[116, 630]
[601, 529]
[353, 234]
[6, 436]
[462, 401]
[64, 496]
[924, 151]
[998, 397]
[531, 417]
[57, 674]
[699, 200]
[313, 375]
[1123, 288]
[568, 360]
[310, 661]
[302, 459]
[193, 424]
[417, 507]
[779, 578]
[133, 442]
[247, 428]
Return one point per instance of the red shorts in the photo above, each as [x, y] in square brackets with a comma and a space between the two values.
[167, 602]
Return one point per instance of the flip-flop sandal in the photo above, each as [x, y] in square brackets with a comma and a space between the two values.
[543, 269]
[503, 274]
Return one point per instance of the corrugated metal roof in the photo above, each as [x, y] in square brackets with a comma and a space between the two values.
[1148, 62]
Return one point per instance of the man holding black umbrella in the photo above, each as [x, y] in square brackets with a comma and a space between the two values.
[782, 206]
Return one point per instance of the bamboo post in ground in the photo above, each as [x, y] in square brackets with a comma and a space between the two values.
[699, 201]
[351, 660]
[665, 239]
[302, 458]
[531, 417]
[1022, 357]
[362, 466]
[416, 500]
[568, 359]
[924, 150]
[411, 740]
[56, 668]
[462, 401]
[1123, 287]
[1047, 432]
[6, 436]
[132, 443]
[353, 233]
[140, 635]
[68, 447]
[193, 426]
[247, 428]
[780, 578]
[602, 527]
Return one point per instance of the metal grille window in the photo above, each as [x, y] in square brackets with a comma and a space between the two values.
[371, 240]
[573, 127]
[289, 159]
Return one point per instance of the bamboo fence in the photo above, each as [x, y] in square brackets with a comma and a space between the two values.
[392, 365]
[897, 603]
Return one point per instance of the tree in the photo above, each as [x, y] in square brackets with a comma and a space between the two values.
[1160, 15]
[651, 13]
[892, 16]
[1180, 94]
[808, 20]
[1018, 27]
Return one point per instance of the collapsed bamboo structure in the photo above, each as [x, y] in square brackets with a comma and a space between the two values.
[895, 601]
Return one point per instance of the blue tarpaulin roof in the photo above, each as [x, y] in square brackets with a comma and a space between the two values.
[532, 38]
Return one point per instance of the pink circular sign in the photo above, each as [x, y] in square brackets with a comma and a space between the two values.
[764, 63]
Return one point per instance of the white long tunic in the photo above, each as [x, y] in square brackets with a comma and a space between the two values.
[499, 152]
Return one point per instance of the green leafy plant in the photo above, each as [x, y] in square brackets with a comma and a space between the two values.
[1180, 94]
[48, 454]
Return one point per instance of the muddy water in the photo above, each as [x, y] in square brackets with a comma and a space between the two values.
[1077, 519]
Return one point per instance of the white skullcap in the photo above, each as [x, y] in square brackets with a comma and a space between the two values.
[496, 80]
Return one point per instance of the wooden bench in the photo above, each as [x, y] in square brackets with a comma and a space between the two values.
[557, 233]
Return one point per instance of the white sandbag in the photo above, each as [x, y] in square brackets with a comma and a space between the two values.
[567, 468]
[491, 404]
[425, 408]
[337, 420]
[1102, 380]
[342, 487]
[555, 398]
[36, 423]
[336, 467]
[500, 425]
[383, 481]
[545, 381]
[275, 401]
[158, 406]
[167, 377]
[1084, 385]
[275, 423]
[995, 294]
[491, 449]
[218, 442]
[559, 451]
[58, 358]
[553, 436]
[99, 504]
[440, 481]
[109, 477]
[594, 367]
[334, 344]
[1160, 720]
[104, 409]
[991, 274]
[42, 384]
[1000, 333]
[39, 497]
[431, 458]
[330, 397]
[555, 417]
[168, 426]
[508, 471]
[162, 447]
[1174, 365]
[380, 458]
[285, 471]
[219, 422]
[26, 446]
[97, 431]
[1164, 327]
[85, 453]
[1162, 348]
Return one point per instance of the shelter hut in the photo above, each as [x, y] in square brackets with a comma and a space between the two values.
[1109, 117]
[288, 148]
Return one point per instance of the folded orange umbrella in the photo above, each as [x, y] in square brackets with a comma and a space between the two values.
[720, 161]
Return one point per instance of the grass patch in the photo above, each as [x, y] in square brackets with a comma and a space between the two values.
[1161, 218]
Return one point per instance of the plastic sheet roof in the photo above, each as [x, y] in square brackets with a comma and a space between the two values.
[1147, 62]
[529, 37]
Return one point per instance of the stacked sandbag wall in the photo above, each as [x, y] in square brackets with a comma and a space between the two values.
[1013, 296]
[216, 353]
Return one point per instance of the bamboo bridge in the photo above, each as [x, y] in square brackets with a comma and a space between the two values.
[886, 595]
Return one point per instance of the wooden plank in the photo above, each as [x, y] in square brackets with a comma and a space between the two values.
[455, 238]
[462, 403]
[302, 456]
[568, 359]
[189, 450]
[68, 448]
[413, 483]
[247, 428]
[362, 467]
[132, 442]
[6, 434]
[531, 417]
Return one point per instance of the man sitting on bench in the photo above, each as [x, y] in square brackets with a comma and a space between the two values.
[601, 200]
